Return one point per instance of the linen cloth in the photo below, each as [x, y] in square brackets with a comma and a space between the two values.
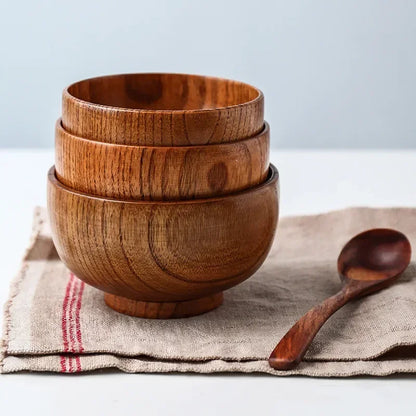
[54, 322]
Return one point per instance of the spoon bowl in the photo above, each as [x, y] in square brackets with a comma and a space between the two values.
[370, 261]
[376, 254]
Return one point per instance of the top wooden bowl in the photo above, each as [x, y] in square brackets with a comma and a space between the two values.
[162, 109]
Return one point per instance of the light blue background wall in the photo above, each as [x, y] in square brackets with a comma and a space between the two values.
[335, 73]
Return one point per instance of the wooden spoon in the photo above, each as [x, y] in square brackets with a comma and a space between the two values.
[369, 262]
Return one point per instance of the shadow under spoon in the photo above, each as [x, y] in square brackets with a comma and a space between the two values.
[370, 261]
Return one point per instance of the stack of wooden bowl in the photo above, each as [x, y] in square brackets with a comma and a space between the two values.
[162, 194]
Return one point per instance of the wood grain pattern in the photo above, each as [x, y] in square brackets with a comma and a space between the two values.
[162, 109]
[163, 310]
[370, 261]
[160, 173]
[163, 251]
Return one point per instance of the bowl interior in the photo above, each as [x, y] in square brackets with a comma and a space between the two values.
[163, 92]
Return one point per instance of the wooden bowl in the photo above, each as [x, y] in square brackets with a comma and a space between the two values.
[163, 259]
[160, 173]
[162, 109]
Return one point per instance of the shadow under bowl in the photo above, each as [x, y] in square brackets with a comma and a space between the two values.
[163, 259]
[162, 109]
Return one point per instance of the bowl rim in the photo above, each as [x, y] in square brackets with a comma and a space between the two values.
[110, 108]
[272, 178]
[265, 131]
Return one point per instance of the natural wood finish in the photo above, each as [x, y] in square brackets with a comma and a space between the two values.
[369, 262]
[162, 109]
[160, 173]
[163, 310]
[163, 251]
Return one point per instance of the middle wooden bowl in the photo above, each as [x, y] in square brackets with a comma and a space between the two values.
[160, 173]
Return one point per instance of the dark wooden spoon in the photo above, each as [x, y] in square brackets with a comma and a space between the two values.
[369, 262]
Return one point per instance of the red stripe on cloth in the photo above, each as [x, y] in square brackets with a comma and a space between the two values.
[78, 325]
[78, 363]
[64, 322]
[71, 315]
[77, 318]
[63, 364]
[69, 360]
[64, 313]
[71, 325]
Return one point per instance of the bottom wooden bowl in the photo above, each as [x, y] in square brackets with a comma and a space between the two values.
[158, 259]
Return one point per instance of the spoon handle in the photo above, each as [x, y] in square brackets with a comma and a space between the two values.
[293, 346]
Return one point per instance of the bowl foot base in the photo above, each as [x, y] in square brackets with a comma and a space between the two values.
[163, 310]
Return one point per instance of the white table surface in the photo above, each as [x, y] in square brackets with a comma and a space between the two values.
[311, 182]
